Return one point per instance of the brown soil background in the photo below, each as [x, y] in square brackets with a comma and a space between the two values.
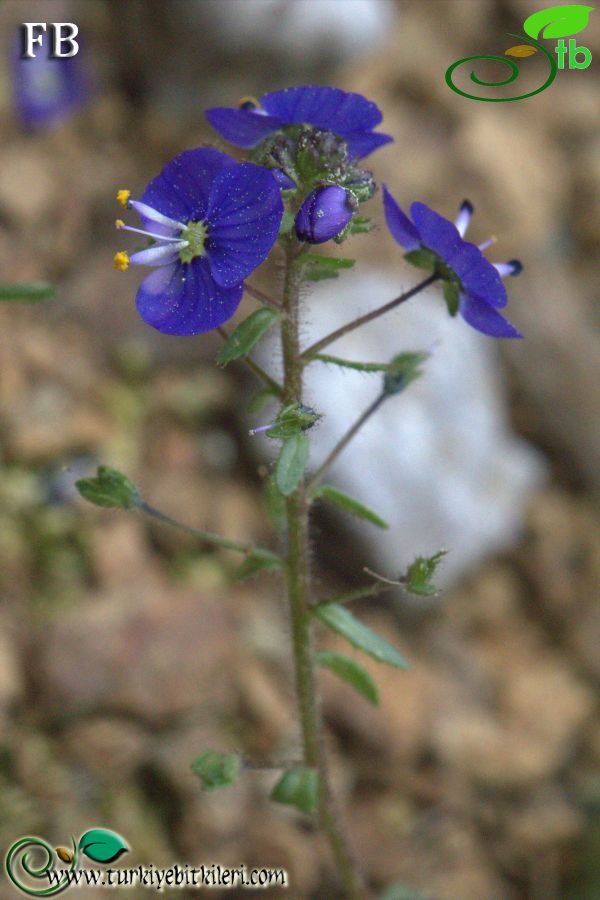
[125, 650]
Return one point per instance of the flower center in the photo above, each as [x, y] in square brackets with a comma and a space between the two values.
[195, 233]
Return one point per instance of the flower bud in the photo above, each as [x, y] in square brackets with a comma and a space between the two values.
[325, 212]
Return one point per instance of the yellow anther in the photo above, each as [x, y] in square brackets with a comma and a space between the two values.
[121, 261]
[123, 197]
[119, 223]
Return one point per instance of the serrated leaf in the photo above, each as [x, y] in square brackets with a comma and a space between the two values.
[246, 335]
[521, 50]
[349, 504]
[109, 488]
[359, 635]
[351, 672]
[258, 561]
[37, 290]
[298, 787]
[557, 21]
[216, 770]
[291, 463]
[350, 364]
[102, 845]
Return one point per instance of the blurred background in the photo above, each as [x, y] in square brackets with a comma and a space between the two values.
[125, 649]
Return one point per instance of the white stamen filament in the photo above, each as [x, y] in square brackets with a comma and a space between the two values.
[157, 237]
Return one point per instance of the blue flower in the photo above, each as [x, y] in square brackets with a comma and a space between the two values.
[46, 89]
[472, 284]
[349, 115]
[213, 222]
[325, 212]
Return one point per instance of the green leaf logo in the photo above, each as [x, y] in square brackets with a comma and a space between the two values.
[102, 845]
[557, 21]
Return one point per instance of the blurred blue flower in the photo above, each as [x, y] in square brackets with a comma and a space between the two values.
[46, 89]
[213, 221]
[472, 284]
[349, 115]
[325, 212]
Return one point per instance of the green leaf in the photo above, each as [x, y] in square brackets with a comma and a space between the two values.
[350, 364]
[360, 636]
[216, 770]
[557, 21]
[258, 560]
[287, 222]
[37, 290]
[402, 371]
[418, 575]
[359, 225]
[109, 488]
[275, 505]
[318, 268]
[291, 420]
[349, 504]
[291, 463]
[349, 671]
[298, 787]
[246, 335]
[102, 845]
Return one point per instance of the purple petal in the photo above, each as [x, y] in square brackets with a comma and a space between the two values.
[437, 233]
[184, 299]
[361, 145]
[181, 190]
[401, 228]
[478, 276]
[244, 215]
[325, 107]
[242, 127]
[484, 318]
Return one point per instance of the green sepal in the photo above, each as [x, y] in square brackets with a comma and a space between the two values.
[217, 770]
[258, 560]
[402, 370]
[349, 504]
[451, 296]
[350, 363]
[291, 463]
[102, 845]
[298, 787]
[422, 258]
[109, 488]
[292, 420]
[36, 290]
[418, 575]
[340, 620]
[246, 335]
[275, 505]
[319, 268]
[359, 225]
[351, 672]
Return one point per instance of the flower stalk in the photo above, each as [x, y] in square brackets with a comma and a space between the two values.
[298, 587]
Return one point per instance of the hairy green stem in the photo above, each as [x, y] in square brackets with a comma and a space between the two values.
[311, 351]
[298, 593]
